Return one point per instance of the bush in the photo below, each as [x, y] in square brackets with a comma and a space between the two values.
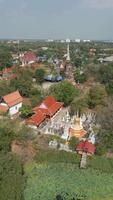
[73, 143]
[64, 92]
[26, 111]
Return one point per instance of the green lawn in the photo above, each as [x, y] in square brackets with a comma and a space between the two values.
[46, 181]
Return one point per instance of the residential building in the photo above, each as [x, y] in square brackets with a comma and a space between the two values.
[28, 58]
[11, 103]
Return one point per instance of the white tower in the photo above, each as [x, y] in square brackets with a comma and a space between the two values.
[68, 54]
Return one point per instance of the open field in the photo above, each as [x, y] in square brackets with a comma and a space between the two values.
[47, 181]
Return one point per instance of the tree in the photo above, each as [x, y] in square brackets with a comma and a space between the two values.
[39, 74]
[109, 87]
[64, 92]
[35, 96]
[78, 62]
[79, 105]
[5, 88]
[97, 95]
[80, 76]
[26, 111]
[73, 143]
[105, 132]
[106, 73]
[5, 58]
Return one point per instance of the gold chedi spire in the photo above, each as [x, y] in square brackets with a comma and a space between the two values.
[77, 129]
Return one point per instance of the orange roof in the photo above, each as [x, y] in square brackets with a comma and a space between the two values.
[55, 107]
[49, 101]
[36, 119]
[3, 108]
[49, 106]
[13, 98]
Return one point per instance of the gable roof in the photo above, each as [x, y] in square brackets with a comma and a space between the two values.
[49, 106]
[86, 146]
[49, 101]
[36, 119]
[13, 98]
[29, 56]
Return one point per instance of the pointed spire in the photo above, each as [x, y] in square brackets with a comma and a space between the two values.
[68, 53]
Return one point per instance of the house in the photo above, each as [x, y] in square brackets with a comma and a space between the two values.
[7, 73]
[85, 147]
[11, 103]
[28, 58]
[45, 111]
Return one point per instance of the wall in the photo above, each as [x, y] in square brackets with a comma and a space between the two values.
[15, 109]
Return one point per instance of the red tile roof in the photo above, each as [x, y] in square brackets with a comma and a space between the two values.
[86, 146]
[29, 56]
[47, 108]
[3, 108]
[36, 119]
[49, 101]
[12, 99]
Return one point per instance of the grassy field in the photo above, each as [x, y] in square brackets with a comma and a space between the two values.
[47, 181]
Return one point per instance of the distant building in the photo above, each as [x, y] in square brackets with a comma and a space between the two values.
[77, 40]
[68, 40]
[107, 59]
[7, 74]
[92, 52]
[11, 103]
[28, 58]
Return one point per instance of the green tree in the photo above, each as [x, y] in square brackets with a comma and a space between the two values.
[5, 58]
[35, 96]
[40, 74]
[78, 62]
[97, 95]
[24, 86]
[109, 87]
[73, 143]
[80, 105]
[64, 92]
[80, 76]
[106, 73]
[26, 111]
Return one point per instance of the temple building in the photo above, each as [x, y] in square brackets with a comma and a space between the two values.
[77, 129]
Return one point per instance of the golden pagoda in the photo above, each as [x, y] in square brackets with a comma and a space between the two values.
[77, 129]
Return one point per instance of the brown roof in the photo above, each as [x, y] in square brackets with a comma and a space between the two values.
[13, 98]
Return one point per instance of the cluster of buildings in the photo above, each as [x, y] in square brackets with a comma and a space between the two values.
[44, 114]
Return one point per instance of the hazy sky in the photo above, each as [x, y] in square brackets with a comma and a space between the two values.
[55, 19]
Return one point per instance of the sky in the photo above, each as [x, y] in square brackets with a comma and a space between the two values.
[56, 19]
